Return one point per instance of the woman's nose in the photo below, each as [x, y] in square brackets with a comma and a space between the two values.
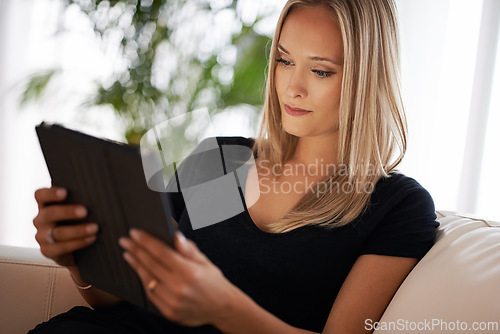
[296, 85]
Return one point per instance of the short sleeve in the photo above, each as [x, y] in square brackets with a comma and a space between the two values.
[407, 230]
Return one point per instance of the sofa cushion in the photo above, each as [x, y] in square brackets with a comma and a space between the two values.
[32, 289]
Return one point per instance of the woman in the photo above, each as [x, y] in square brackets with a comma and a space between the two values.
[317, 251]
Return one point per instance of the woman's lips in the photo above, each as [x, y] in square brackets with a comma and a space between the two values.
[295, 111]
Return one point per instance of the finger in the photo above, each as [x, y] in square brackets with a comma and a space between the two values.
[74, 232]
[54, 213]
[144, 258]
[60, 248]
[49, 195]
[158, 249]
[188, 248]
[60, 234]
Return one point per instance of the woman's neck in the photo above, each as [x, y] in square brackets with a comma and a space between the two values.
[316, 150]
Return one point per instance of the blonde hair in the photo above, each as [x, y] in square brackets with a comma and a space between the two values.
[372, 125]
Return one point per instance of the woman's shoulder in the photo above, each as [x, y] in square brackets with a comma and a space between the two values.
[214, 157]
[398, 180]
[401, 197]
[215, 143]
[235, 140]
[399, 186]
[401, 218]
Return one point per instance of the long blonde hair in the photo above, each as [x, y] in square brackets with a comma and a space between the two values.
[372, 124]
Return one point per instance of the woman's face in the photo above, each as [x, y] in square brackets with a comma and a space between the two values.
[308, 73]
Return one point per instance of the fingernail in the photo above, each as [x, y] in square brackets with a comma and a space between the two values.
[124, 242]
[135, 233]
[181, 237]
[128, 257]
[81, 211]
[90, 239]
[61, 192]
[92, 228]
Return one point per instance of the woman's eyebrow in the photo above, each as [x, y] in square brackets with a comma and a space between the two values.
[326, 59]
[282, 49]
[314, 58]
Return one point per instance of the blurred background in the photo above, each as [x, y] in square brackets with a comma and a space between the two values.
[117, 68]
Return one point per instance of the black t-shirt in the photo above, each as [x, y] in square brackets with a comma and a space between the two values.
[297, 275]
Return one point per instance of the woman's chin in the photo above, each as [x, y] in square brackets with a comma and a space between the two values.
[297, 131]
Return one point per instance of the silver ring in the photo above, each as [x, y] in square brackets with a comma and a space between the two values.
[49, 237]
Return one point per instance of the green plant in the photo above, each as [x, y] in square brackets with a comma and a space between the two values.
[142, 93]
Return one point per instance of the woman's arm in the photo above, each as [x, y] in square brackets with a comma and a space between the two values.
[245, 316]
[366, 292]
[362, 300]
[95, 297]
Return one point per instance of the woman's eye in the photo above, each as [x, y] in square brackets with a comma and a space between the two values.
[284, 62]
[322, 74]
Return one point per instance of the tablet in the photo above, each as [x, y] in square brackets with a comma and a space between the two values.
[108, 178]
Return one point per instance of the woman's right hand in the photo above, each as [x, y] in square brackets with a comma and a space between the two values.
[65, 238]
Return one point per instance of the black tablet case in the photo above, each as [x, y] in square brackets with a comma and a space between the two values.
[108, 178]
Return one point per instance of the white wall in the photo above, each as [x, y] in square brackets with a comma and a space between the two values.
[27, 45]
[423, 33]
[18, 155]
[440, 45]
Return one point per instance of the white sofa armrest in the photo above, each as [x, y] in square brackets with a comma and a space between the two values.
[456, 285]
[32, 289]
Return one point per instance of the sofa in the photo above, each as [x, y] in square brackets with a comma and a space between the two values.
[455, 288]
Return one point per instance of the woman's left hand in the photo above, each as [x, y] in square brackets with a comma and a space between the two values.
[185, 285]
